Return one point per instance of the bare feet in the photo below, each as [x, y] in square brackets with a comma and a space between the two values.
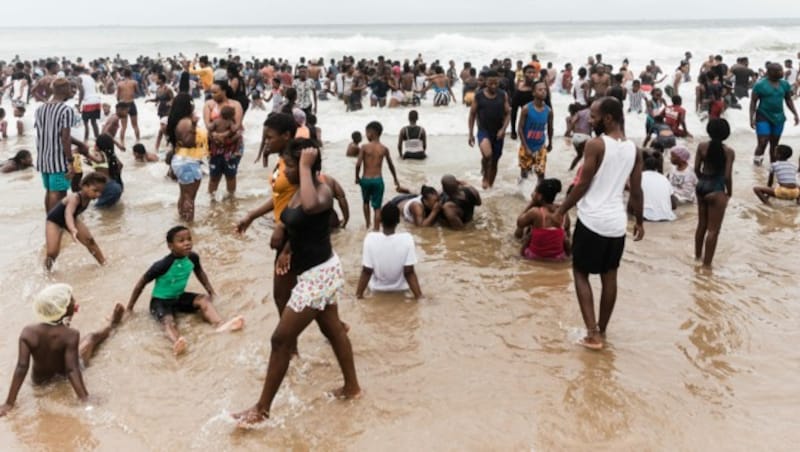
[346, 393]
[116, 317]
[179, 346]
[234, 324]
[485, 184]
[592, 342]
[250, 417]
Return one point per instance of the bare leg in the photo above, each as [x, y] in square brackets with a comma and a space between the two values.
[51, 198]
[90, 343]
[213, 183]
[122, 129]
[95, 129]
[377, 224]
[188, 193]
[282, 286]
[52, 233]
[289, 328]
[492, 171]
[761, 146]
[764, 193]
[85, 237]
[579, 150]
[230, 184]
[773, 143]
[367, 215]
[336, 332]
[210, 315]
[486, 161]
[135, 125]
[717, 203]
[608, 298]
[702, 227]
[586, 301]
[85, 130]
[171, 329]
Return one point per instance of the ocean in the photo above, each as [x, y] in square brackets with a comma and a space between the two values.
[697, 360]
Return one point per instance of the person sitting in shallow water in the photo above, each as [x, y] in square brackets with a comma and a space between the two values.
[543, 238]
[21, 160]
[56, 349]
[786, 175]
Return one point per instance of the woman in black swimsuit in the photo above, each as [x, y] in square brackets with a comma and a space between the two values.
[65, 216]
[309, 255]
[714, 166]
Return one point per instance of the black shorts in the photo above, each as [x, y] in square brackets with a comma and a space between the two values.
[90, 115]
[160, 307]
[594, 254]
[131, 108]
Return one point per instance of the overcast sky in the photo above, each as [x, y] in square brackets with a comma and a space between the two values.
[21, 13]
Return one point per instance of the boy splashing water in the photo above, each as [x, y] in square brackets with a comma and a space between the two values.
[169, 296]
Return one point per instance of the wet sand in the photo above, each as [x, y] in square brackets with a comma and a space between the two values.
[696, 360]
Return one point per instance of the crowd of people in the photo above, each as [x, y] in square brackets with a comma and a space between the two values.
[308, 275]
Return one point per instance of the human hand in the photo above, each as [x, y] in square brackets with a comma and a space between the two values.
[343, 223]
[358, 180]
[471, 140]
[283, 264]
[796, 120]
[501, 134]
[308, 156]
[276, 241]
[753, 124]
[5, 408]
[549, 147]
[74, 235]
[242, 225]
[638, 232]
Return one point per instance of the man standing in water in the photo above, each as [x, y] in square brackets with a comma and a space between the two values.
[493, 112]
[126, 93]
[766, 111]
[610, 160]
[42, 90]
[54, 121]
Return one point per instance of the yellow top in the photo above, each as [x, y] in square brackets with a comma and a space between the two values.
[200, 149]
[206, 75]
[282, 190]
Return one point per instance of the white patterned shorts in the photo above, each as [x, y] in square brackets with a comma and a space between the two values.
[318, 286]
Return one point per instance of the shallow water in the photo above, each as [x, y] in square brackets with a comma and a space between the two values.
[697, 360]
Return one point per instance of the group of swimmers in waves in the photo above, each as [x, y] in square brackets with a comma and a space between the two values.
[308, 275]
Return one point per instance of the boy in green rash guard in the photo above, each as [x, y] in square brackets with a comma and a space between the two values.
[169, 297]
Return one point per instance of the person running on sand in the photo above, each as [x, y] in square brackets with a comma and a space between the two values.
[64, 216]
[713, 166]
[786, 175]
[56, 349]
[169, 293]
[610, 162]
[372, 155]
[492, 111]
[546, 241]
[320, 281]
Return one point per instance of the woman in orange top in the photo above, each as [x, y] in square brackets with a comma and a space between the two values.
[279, 130]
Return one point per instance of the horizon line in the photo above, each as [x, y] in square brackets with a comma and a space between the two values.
[307, 24]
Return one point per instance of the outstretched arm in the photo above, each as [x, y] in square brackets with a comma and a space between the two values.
[137, 291]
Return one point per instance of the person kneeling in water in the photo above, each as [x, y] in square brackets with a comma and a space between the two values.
[56, 348]
[169, 295]
[548, 241]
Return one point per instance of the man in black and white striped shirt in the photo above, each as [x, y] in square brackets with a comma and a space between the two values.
[54, 120]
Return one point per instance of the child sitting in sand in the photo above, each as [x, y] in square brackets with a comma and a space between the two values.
[64, 216]
[786, 175]
[21, 160]
[169, 296]
[56, 349]
[355, 145]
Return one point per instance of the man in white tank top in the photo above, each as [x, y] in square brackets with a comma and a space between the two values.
[610, 161]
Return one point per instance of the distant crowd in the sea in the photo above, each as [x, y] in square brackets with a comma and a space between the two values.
[502, 97]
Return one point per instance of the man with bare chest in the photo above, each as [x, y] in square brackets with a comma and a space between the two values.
[600, 81]
[126, 93]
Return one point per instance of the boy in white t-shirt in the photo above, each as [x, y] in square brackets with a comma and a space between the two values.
[388, 258]
[659, 201]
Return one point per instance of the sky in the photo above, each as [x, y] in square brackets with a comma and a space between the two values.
[264, 12]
